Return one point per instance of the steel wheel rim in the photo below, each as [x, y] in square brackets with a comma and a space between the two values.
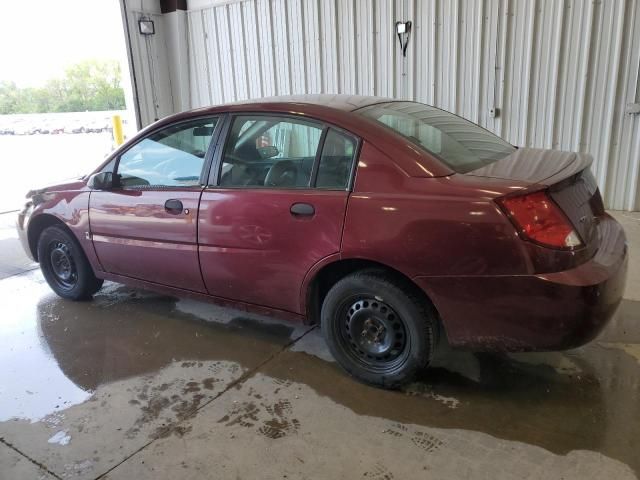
[373, 334]
[63, 267]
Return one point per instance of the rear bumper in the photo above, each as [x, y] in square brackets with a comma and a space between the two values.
[554, 311]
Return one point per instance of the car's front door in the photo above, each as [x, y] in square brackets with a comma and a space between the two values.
[145, 227]
[275, 207]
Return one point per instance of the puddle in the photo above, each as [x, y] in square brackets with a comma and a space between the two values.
[632, 349]
[59, 352]
[209, 312]
[317, 437]
[561, 362]
[562, 402]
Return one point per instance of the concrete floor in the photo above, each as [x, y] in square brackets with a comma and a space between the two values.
[137, 385]
[13, 261]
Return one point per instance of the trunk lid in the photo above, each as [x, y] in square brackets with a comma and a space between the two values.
[579, 197]
[567, 177]
[535, 166]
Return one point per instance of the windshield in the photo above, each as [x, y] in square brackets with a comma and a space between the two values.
[460, 144]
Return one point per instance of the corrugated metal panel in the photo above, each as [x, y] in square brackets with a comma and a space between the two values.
[543, 73]
[545, 59]
[624, 149]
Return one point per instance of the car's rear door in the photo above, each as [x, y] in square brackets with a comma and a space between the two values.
[274, 207]
[145, 227]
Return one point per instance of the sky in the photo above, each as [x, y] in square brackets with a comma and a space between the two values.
[39, 38]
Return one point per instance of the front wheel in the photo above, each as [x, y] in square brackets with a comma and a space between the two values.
[378, 330]
[65, 266]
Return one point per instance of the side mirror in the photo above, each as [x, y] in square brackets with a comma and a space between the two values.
[101, 181]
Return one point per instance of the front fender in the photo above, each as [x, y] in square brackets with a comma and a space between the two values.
[69, 208]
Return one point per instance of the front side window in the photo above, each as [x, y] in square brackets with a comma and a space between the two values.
[109, 167]
[463, 146]
[270, 151]
[172, 157]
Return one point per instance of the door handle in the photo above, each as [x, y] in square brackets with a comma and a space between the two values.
[302, 209]
[173, 206]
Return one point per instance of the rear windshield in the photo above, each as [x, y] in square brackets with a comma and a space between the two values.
[460, 144]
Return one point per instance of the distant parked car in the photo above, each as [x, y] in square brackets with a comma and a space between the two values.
[95, 127]
[390, 223]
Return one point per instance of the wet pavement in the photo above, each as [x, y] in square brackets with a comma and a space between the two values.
[139, 385]
[13, 261]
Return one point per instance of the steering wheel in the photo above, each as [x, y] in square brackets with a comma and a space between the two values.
[282, 174]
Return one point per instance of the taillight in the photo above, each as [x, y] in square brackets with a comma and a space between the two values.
[538, 218]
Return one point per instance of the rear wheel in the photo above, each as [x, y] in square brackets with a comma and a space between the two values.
[65, 266]
[378, 330]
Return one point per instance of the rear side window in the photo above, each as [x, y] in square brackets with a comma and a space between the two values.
[458, 143]
[172, 157]
[336, 160]
[270, 151]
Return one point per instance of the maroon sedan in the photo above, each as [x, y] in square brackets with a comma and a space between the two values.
[388, 222]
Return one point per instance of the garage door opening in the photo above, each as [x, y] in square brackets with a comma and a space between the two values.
[61, 83]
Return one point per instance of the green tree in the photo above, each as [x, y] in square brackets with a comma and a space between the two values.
[89, 85]
[9, 97]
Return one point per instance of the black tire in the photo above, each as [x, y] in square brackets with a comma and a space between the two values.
[379, 330]
[65, 266]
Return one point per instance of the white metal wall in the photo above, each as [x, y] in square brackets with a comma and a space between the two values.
[541, 73]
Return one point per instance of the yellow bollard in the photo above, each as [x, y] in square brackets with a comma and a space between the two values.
[118, 136]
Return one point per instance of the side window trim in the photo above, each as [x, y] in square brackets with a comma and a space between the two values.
[215, 167]
[354, 163]
[213, 147]
[215, 136]
[216, 164]
[316, 161]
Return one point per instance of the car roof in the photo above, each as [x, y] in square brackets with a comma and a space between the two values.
[346, 103]
[310, 103]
